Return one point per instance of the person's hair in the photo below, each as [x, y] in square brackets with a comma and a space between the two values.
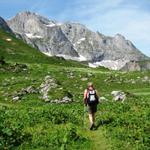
[90, 84]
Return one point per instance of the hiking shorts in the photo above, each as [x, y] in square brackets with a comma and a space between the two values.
[92, 108]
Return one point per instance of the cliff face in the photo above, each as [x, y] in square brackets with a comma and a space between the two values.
[43, 34]
[136, 66]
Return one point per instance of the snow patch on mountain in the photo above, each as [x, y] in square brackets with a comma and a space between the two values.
[51, 25]
[82, 58]
[80, 40]
[54, 24]
[30, 35]
[59, 24]
[110, 64]
[92, 65]
[47, 53]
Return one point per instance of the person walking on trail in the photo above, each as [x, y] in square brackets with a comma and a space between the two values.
[91, 101]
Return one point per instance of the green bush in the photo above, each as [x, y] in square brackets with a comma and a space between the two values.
[11, 133]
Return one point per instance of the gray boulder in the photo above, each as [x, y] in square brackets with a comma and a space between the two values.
[118, 96]
[102, 99]
[64, 100]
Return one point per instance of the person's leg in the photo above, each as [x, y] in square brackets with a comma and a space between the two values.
[91, 118]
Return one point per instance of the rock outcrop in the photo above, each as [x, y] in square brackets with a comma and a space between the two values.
[118, 96]
[45, 87]
[136, 66]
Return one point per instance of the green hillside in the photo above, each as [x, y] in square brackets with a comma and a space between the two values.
[18, 51]
[28, 122]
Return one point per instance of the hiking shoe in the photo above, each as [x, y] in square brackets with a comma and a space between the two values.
[92, 126]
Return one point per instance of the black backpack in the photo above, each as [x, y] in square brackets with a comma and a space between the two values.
[92, 97]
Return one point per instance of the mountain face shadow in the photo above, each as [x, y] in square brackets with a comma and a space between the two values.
[104, 122]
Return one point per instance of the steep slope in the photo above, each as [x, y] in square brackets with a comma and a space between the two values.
[43, 34]
[4, 26]
[97, 47]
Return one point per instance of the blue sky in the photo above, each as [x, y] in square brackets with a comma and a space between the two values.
[128, 17]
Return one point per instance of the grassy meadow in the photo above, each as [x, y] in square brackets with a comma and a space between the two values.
[30, 123]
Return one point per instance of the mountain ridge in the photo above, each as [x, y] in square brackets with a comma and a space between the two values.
[74, 41]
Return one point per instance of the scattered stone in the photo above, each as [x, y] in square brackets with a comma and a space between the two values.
[84, 79]
[13, 68]
[112, 78]
[133, 82]
[12, 78]
[64, 100]
[6, 99]
[8, 39]
[31, 90]
[5, 84]
[118, 96]
[16, 98]
[146, 78]
[18, 95]
[89, 74]
[102, 99]
[27, 78]
[70, 75]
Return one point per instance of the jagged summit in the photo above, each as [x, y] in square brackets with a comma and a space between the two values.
[73, 40]
[42, 33]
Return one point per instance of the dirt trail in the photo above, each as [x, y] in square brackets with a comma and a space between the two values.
[97, 137]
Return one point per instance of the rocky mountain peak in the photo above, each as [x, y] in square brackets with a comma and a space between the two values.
[119, 36]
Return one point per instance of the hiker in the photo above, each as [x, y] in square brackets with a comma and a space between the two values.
[91, 101]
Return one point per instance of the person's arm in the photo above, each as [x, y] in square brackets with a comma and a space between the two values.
[85, 97]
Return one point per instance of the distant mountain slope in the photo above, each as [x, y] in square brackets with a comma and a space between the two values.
[74, 41]
[97, 47]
